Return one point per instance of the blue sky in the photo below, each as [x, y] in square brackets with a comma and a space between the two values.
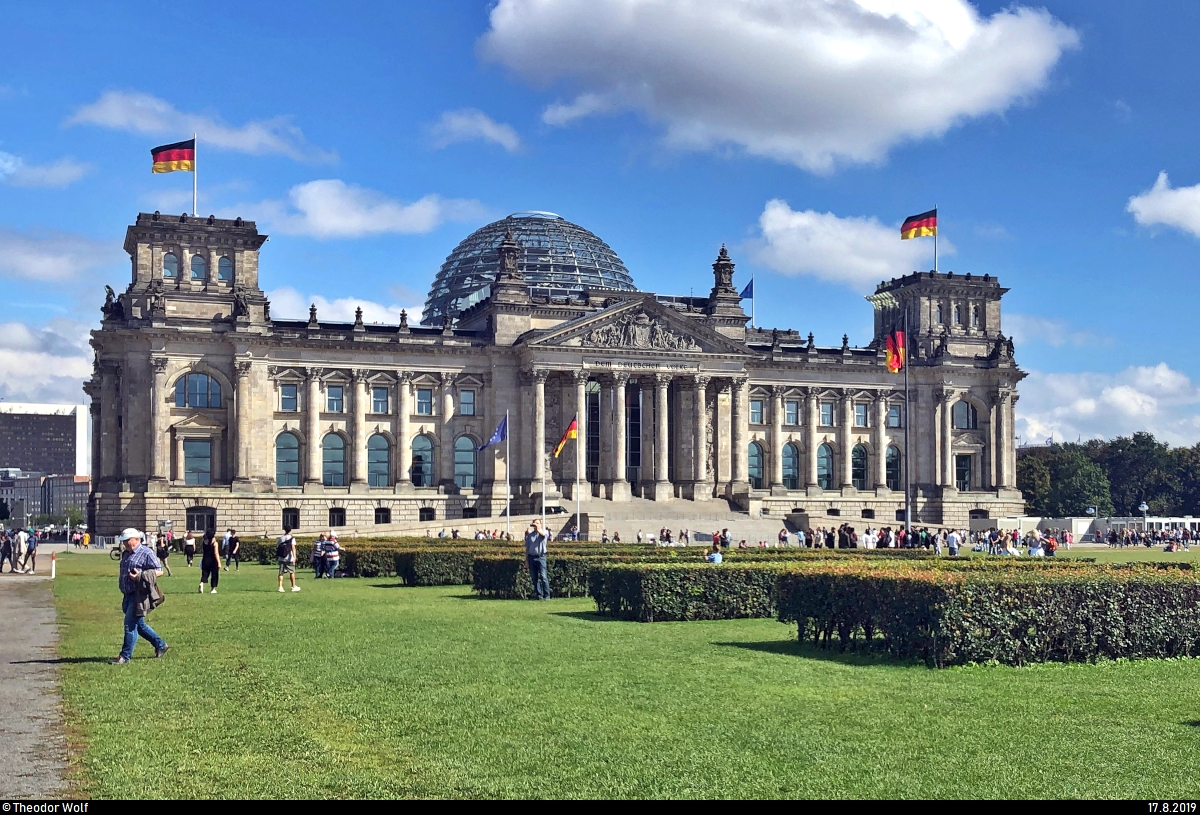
[368, 139]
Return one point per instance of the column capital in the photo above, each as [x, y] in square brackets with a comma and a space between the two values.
[242, 367]
[360, 374]
[1003, 395]
[581, 376]
[739, 382]
[948, 394]
[663, 380]
[159, 364]
[620, 379]
[540, 375]
[777, 391]
[312, 373]
[404, 377]
[700, 381]
[447, 378]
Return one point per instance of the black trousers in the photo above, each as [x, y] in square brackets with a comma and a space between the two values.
[210, 570]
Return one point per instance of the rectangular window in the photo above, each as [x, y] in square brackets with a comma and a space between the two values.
[893, 419]
[466, 403]
[827, 414]
[379, 400]
[337, 516]
[962, 473]
[860, 415]
[426, 514]
[333, 399]
[424, 401]
[291, 518]
[756, 411]
[288, 399]
[791, 412]
[197, 462]
[383, 515]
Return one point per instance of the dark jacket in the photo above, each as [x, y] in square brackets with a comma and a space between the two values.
[148, 595]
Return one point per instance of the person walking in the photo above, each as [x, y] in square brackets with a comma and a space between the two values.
[189, 547]
[233, 548]
[210, 562]
[6, 545]
[535, 558]
[29, 565]
[163, 551]
[285, 553]
[20, 543]
[138, 569]
[333, 554]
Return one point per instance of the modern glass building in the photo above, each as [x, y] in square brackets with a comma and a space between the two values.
[557, 257]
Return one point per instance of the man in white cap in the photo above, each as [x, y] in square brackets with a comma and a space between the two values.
[135, 559]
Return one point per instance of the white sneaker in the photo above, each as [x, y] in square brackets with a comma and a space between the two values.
[201, 588]
[295, 588]
[214, 591]
[281, 588]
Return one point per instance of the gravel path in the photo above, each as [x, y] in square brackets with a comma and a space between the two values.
[31, 733]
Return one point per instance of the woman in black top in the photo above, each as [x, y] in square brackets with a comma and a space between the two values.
[210, 562]
[162, 549]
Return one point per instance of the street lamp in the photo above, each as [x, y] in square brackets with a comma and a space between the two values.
[1144, 509]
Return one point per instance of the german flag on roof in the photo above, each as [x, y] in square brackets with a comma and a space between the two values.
[171, 157]
[919, 226]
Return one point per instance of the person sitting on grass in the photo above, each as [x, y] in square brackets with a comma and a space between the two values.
[714, 556]
[285, 554]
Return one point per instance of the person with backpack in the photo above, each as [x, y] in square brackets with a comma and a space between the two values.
[285, 554]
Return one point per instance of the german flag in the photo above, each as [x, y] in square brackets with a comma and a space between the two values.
[572, 433]
[919, 226]
[171, 157]
[896, 352]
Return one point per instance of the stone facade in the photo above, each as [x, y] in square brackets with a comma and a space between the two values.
[208, 412]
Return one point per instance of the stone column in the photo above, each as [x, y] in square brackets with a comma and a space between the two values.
[1010, 435]
[158, 423]
[846, 424]
[1003, 440]
[245, 412]
[403, 442]
[740, 419]
[700, 452]
[539, 432]
[178, 474]
[776, 438]
[358, 433]
[312, 429]
[880, 428]
[812, 418]
[662, 483]
[620, 487]
[947, 439]
[446, 411]
[581, 380]
[606, 434]
[94, 411]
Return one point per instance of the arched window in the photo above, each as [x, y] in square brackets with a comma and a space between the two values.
[755, 458]
[791, 466]
[199, 268]
[958, 320]
[858, 467]
[197, 391]
[893, 468]
[464, 462]
[170, 265]
[225, 269]
[333, 461]
[422, 462]
[940, 320]
[287, 460]
[975, 316]
[964, 416]
[825, 467]
[379, 461]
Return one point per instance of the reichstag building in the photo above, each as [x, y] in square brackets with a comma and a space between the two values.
[208, 411]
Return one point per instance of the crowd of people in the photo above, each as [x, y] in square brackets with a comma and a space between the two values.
[18, 548]
[1171, 540]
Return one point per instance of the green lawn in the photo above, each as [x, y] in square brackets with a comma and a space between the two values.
[362, 688]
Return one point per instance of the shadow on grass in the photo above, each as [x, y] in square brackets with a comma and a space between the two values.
[807, 650]
[590, 616]
[1193, 723]
[389, 585]
[60, 661]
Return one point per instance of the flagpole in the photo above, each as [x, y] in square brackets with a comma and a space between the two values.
[195, 144]
[753, 303]
[935, 266]
[507, 489]
[907, 420]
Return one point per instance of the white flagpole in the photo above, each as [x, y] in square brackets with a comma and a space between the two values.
[507, 488]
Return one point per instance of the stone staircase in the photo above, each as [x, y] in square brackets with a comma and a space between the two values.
[701, 517]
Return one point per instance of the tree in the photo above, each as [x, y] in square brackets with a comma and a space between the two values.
[1139, 469]
[1033, 479]
[74, 516]
[1077, 483]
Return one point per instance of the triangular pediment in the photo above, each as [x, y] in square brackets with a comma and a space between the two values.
[640, 324]
[198, 421]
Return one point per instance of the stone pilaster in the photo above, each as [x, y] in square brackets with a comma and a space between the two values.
[403, 442]
[777, 440]
[880, 433]
[245, 413]
[812, 419]
[358, 434]
[159, 415]
[312, 430]
[445, 434]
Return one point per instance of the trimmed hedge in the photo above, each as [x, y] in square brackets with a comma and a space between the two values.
[507, 578]
[666, 592]
[1016, 615]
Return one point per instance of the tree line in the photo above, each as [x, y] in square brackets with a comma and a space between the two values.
[1114, 476]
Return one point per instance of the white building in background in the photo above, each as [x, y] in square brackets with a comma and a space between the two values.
[45, 438]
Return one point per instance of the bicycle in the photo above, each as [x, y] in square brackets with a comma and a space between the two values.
[115, 552]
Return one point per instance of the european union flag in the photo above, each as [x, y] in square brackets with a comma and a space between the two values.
[749, 290]
[500, 435]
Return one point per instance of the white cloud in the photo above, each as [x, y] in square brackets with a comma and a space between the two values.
[62, 173]
[858, 252]
[1164, 205]
[815, 83]
[44, 364]
[144, 113]
[288, 304]
[1030, 329]
[331, 208]
[1068, 406]
[52, 256]
[471, 125]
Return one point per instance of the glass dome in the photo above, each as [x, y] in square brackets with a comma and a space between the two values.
[555, 254]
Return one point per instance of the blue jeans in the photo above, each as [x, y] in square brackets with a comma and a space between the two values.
[135, 625]
[539, 576]
[331, 566]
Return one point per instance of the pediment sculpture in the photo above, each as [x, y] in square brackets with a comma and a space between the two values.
[638, 330]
